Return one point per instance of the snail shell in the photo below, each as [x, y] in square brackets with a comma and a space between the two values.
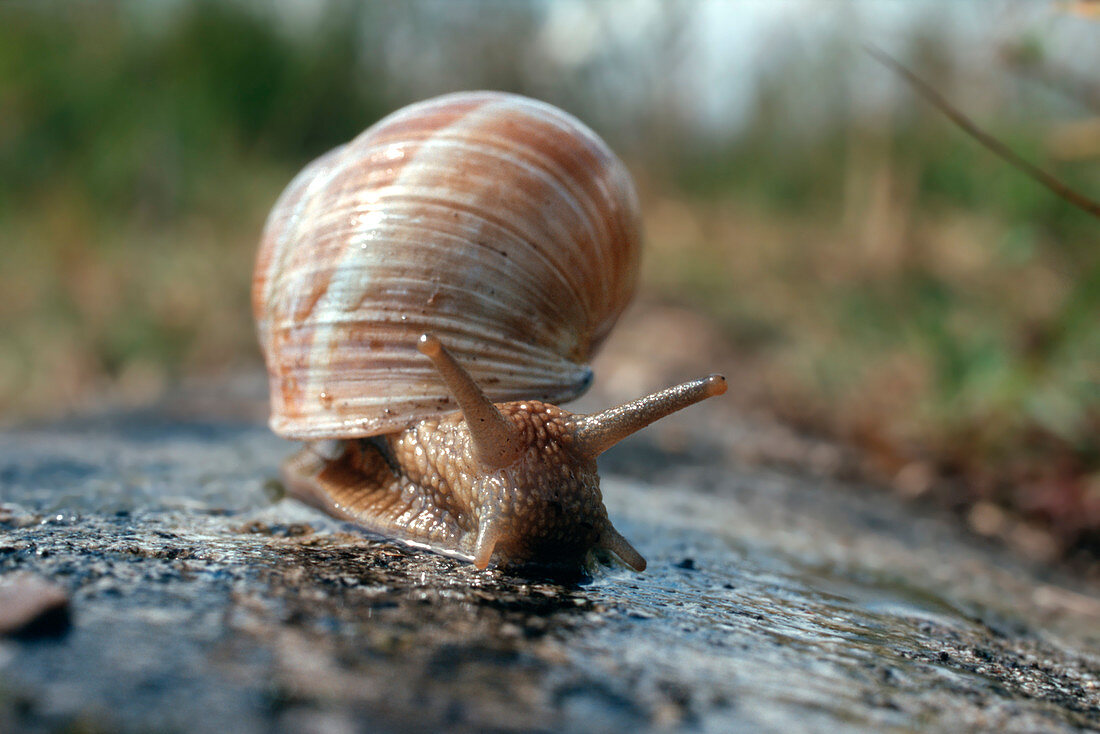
[499, 223]
[470, 252]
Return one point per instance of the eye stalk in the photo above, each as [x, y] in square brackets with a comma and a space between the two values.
[496, 442]
[598, 432]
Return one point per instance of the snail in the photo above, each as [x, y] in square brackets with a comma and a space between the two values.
[424, 296]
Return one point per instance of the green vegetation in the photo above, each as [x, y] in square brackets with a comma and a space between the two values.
[893, 282]
[904, 288]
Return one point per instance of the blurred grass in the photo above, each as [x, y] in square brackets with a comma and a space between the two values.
[892, 282]
[138, 161]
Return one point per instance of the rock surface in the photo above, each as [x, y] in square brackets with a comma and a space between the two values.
[201, 600]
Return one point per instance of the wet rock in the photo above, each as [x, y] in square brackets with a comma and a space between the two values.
[204, 601]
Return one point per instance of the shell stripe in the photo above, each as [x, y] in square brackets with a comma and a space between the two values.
[497, 222]
[348, 283]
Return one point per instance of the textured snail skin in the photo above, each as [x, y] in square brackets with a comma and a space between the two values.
[423, 486]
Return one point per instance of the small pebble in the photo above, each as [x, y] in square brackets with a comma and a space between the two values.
[32, 607]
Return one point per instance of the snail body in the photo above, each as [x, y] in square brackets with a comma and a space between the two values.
[476, 231]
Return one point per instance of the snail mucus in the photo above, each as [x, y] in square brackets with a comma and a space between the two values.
[425, 295]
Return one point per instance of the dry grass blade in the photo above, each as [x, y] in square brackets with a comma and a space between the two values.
[997, 147]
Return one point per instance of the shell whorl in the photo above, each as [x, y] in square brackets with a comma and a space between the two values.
[499, 223]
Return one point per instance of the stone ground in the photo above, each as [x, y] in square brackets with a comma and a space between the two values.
[200, 599]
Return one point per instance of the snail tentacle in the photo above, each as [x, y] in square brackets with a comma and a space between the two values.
[487, 538]
[593, 434]
[621, 547]
[497, 444]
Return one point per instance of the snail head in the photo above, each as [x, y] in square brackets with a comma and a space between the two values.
[535, 465]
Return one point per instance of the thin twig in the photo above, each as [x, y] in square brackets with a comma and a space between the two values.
[997, 147]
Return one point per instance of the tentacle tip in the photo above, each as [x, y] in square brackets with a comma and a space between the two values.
[486, 543]
[622, 548]
[483, 555]
[429, 345]
[716, 385]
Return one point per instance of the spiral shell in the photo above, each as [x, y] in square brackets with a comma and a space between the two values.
[499, 223]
